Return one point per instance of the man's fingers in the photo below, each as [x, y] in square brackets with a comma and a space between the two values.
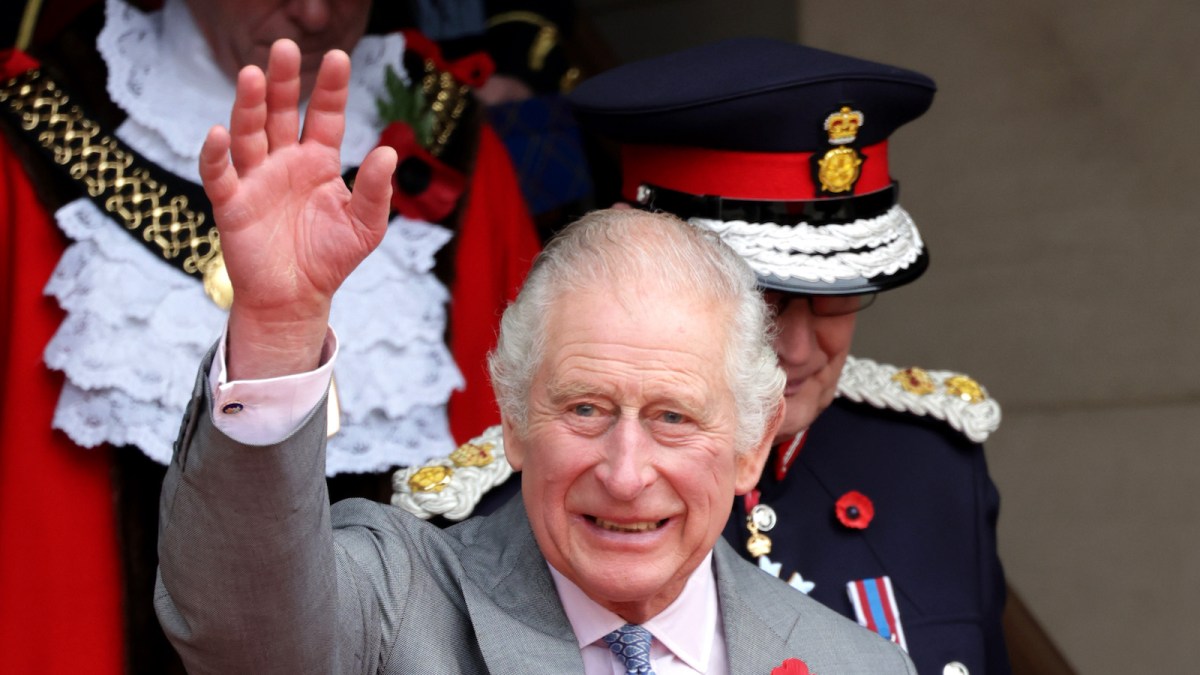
[283, 94]
[326, 117]
[371, 200]
[219, 178]
[248, 142]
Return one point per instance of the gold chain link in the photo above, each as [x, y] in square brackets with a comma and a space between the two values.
[129, 193]
[449, 101]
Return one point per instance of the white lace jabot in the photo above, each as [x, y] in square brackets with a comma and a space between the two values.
[136, 328]
[167, 122]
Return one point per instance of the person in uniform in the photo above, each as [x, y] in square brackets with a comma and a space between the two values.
[877, 499]
[113, 273]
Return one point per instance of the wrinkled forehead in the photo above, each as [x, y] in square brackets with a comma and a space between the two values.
[640, 314]
[642, 342]
[649, 292]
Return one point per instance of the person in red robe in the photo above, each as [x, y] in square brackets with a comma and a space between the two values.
[68, 527]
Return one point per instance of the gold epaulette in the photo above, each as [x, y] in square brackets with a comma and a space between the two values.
[951, 397]
[452, 486]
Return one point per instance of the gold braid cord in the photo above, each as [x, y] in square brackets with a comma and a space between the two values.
[450, 99]
[107, 171]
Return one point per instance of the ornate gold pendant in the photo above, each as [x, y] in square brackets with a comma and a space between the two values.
[217, 285]
[760, 519]
[758, 544]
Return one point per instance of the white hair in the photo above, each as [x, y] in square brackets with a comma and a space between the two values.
[619, 247]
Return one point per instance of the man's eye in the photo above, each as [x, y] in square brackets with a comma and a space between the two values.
[672, 417]
[584, 409]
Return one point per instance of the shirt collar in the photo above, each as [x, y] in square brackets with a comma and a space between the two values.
[687, 626]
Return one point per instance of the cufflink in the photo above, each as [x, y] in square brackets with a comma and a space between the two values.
[232, 408]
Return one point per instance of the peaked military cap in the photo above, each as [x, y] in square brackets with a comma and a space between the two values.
[779, 148]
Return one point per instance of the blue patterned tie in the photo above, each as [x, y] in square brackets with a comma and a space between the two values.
[631, 644]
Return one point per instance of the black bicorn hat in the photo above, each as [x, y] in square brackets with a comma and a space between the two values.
[781, 149]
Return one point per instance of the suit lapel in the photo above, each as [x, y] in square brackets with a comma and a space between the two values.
[512, 599]
[757, 624]
[522, 628]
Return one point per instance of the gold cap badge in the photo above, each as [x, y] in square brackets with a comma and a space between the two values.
[843, 125]
[840, 168]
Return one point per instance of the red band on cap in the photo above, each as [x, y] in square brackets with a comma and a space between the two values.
[775, 176]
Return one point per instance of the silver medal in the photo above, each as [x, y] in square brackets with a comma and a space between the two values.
[763, 517]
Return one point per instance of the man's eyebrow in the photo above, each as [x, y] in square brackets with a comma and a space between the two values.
[560, 390]
[689, 405]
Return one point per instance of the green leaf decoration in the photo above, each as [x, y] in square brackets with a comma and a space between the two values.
[404, 103]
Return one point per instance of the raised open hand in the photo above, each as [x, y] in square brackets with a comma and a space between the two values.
[291, 231]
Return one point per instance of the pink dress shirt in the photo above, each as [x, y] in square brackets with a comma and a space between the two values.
[687, 634]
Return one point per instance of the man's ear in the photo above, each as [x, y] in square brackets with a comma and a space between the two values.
[514, 448]
[750, 463]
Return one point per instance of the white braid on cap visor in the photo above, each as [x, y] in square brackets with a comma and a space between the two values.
[864, 248]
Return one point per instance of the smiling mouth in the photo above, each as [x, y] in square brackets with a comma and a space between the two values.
[645, 526]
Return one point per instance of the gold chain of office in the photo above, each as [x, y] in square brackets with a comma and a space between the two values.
[110, 177]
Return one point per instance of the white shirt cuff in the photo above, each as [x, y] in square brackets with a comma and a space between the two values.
[265, 412]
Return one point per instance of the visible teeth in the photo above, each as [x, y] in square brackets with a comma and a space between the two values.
[628, 527]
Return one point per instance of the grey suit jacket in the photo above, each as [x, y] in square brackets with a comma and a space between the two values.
[258, 575]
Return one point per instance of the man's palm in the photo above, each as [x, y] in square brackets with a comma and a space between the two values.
[288, 234]
[290, 229]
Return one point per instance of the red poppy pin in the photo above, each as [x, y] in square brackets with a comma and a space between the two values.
[791, 667]
[421, 116]
[422, 187]
[855, 510]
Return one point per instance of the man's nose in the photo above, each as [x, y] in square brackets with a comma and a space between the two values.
[627, 469]
[795, 338]
[311, 15]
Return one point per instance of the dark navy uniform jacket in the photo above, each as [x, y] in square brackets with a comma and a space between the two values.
[933, 532]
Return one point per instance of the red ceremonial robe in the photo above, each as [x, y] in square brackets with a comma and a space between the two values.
[60, 592]
[496, 245]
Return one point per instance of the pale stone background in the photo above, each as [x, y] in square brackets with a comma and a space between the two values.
[1055, 181]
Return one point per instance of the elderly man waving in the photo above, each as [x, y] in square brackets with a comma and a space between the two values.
[639, 395]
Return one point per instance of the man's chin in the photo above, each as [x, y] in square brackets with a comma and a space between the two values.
[630, 591]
